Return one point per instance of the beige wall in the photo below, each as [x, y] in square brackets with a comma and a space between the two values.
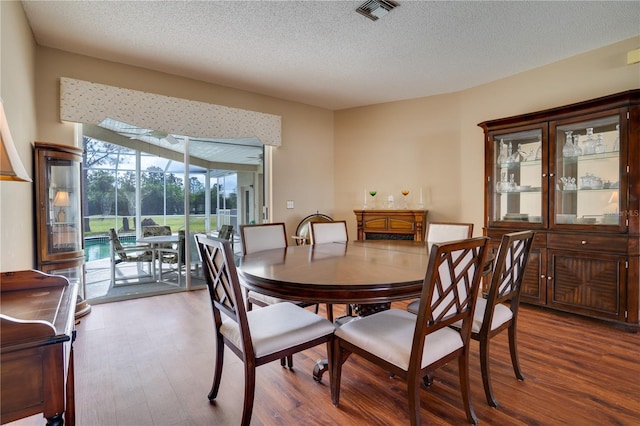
[327, 159]
[307, 132]
[302, 166]
[435, 143]
[17, 88]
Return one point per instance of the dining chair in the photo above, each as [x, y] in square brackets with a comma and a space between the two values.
[499, 311]
[410, 346]
[261, 237]
[440, 232]
[255, 238]
[119, 254]
[329, 232]
[256, 337]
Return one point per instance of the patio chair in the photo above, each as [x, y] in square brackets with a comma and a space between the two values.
[226, 233]
[119, 254]
[157, 230]
[173, 254]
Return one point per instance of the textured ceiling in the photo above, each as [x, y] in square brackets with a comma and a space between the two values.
[325, 54]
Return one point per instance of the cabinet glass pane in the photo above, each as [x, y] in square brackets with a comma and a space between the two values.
[517, 193]
[74, 273]
[588, 172]
[63, 206]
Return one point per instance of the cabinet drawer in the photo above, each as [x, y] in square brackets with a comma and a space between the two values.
[401, 225]
[376, 224]
[587, 242]
[539, 238]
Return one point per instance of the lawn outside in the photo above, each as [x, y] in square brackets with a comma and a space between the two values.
[100, 225]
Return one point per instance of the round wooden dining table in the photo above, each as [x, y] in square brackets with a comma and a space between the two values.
[370, 273]
[367, 274]
[363, 272]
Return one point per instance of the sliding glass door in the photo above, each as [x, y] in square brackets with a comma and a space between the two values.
[136, 177]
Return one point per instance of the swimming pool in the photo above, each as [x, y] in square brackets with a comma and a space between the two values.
[96, 248]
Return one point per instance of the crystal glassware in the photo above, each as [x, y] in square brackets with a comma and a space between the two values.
[589, 145]
[576, 146]
[616, 143]
[600, 147]
[373, 198]
[405, 203]
[567, 149]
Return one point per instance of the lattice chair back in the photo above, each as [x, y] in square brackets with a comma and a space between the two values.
[451, 284]
[222, 279]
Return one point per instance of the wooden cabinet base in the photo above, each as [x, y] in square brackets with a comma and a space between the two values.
[391, 224]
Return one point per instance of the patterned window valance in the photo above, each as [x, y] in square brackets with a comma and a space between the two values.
[86, 102]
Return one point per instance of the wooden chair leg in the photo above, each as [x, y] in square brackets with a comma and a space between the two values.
[513, 348]
[217, 375]
[427, 380]
[465, 388]
[486, 375]
[413, 390]
[329, 312]
[249, 392]
[290, 362]
[336, 356]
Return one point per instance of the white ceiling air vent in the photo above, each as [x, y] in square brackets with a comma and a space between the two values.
[374, 9]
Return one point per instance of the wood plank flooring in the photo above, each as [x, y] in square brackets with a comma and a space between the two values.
[150, 362]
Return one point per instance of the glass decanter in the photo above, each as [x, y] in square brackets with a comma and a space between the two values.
[589, 145]
[502, 157]
[616, 143]
[600, 147]
[567, 149]
[577, 151]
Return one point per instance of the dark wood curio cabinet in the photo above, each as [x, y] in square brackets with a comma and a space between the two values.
[572, 174]
[58, 193]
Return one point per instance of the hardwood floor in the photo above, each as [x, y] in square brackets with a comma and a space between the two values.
[150, 362]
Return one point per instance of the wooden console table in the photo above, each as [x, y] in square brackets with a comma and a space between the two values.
[391, 224]
[36, 346]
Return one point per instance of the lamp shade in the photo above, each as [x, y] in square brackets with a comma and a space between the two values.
[62, 199]
[11, 167]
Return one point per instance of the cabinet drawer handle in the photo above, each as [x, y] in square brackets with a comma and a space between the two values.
[549, 278]
[583, 242]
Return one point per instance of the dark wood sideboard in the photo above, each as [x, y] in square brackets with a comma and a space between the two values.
[36, 346]
[391, 224]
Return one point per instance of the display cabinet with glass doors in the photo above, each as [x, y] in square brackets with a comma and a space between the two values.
[572, 175]
[58, 193]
